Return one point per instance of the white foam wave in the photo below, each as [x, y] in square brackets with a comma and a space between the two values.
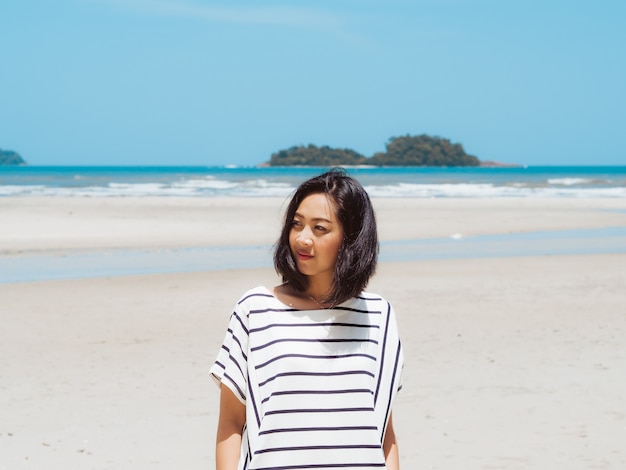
[568, 181]
[210, 187]
[208, 183]
[466, 190]
[440, 190]
[18, 190]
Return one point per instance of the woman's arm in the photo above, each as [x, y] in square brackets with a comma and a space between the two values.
[390, 447]
[229, 429]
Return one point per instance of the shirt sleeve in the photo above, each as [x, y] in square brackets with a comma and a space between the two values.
[398, 352]
[391, 366]
[231, 365]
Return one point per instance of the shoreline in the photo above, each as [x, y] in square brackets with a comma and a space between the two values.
[83, 264]
[48, 225]
[543, 182]
[68, 238]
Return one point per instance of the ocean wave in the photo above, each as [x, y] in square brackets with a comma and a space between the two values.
[271, 182]
[490, 190]
[569, 181]
[269, 189]
[184, 188]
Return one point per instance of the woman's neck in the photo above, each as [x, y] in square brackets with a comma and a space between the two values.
[300, 300]
[319, 289]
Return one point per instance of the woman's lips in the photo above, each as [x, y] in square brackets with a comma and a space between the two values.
[304, 256]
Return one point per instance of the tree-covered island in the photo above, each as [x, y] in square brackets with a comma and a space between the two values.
[9, 157]
[420, 150]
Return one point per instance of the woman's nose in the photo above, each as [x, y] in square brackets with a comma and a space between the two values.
[304, 237]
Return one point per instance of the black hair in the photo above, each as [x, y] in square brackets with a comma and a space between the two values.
[358, 253]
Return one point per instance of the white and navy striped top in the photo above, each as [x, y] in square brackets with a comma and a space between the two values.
[318, 385]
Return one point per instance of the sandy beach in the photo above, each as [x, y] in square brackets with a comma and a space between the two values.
[511, 362]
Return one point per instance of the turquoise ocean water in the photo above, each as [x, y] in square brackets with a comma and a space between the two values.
[603, 182]
[531, 182]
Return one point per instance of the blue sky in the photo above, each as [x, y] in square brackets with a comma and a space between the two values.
[195, 82]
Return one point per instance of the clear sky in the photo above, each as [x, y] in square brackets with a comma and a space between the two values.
[199, 82]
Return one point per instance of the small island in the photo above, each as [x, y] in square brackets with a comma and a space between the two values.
[420, 150]
[9, 157]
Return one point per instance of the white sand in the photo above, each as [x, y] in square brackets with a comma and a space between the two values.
[512, 363]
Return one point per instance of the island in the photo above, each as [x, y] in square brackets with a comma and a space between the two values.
[9, 157]
[420, 150]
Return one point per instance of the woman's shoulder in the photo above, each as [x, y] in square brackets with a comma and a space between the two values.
[370, 301]
[371, 297]
[255, 293]
[259, 297]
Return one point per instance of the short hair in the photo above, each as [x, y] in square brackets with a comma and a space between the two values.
[358, 253]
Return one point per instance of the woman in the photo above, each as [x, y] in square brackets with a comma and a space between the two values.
[309, 369]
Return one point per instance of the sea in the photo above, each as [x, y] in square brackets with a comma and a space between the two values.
[196, 181]
[255, 181]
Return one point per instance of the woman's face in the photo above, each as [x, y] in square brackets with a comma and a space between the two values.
[315, 237]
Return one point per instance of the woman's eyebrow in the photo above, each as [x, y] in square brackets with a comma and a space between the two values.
[315, 219]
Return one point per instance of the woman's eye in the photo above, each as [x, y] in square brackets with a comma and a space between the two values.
[295, 223]
[320, 227]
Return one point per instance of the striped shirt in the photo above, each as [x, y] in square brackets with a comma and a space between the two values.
[318, 385]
